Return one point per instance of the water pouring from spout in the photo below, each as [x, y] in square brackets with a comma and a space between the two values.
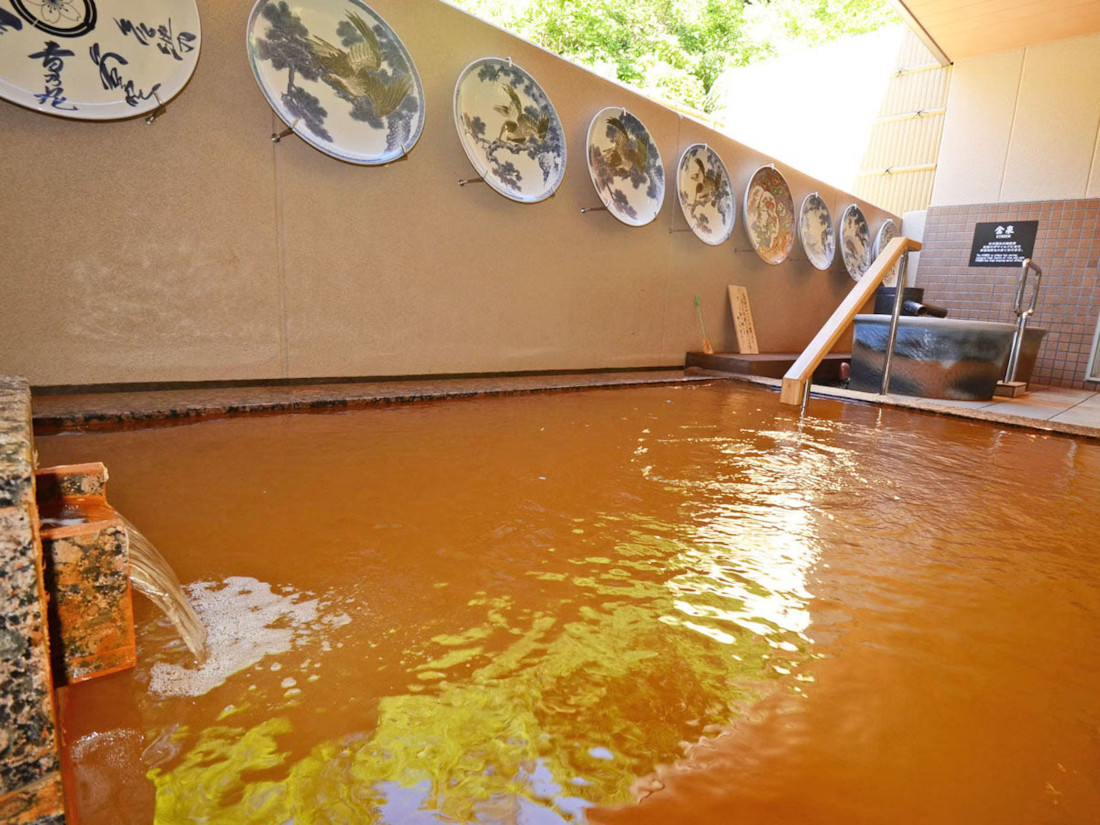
[150, 574]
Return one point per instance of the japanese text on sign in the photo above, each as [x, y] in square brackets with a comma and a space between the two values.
[1003, 243]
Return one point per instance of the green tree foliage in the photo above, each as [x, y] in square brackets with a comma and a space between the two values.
[677, 49]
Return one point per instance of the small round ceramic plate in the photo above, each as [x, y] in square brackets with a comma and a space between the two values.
[815, 228]
[886, 233]
[706, 196]
[855, 242]
[769, 215]
[625, 166]
[96, 59]
[337, 75]
[509, 129]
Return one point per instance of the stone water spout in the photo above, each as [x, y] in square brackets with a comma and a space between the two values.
[92, 555]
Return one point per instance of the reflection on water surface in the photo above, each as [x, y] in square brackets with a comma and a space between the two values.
[543, 609]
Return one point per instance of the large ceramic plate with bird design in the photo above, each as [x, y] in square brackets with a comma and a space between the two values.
[769, 215]
[855, 242]
[509, 129]
[886, 233]
[815, 228]
[96, 59]
[339, 76]
[625, 166]
[706, 196]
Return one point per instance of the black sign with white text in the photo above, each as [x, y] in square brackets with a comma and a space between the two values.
[1005, 243]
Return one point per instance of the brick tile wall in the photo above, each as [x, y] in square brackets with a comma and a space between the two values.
[1067, 247]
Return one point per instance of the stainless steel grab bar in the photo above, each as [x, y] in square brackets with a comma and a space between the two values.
[899, 299]
[1022, 315]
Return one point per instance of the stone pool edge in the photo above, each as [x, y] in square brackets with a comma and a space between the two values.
[120, 410]
[124, 410]
[30, 767]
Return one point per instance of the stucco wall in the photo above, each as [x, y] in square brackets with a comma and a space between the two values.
[1023, 125]
[195, 249]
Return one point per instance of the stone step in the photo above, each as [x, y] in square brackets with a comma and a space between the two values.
[766, 364]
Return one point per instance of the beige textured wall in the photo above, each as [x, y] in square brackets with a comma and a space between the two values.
[195, 249]
[1023, 125]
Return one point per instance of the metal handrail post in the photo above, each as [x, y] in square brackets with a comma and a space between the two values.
[1022, 315]
[898, 299]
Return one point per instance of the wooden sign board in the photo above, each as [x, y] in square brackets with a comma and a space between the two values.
[742, 320]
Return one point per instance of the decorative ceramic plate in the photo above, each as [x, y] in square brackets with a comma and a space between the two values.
[705, 194]
[855, 242]
[769, 215]
[337, 75]
[96, 59]
[510, 130]
[815, 227]
[625, 166]
[886, 233]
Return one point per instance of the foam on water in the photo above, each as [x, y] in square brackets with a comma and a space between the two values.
[245, 621]
[110, 742]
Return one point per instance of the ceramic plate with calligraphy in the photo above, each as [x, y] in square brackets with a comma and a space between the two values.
[855, 242]
[96, 59]
[769, 215]
[886, 233]
[815, 228]
[706, 196]
[625, 166]
[337, 75]
[509, 129]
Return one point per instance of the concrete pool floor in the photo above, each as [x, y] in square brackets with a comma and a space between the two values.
[1051, 409]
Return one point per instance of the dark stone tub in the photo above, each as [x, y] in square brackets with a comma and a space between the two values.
[939, 357]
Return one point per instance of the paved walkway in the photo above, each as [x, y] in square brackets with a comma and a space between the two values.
[1051, 404]
[1051, 409]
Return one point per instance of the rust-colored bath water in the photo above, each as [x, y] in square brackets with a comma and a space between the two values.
[658, 605]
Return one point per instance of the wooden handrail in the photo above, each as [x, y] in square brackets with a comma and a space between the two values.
[800, 373]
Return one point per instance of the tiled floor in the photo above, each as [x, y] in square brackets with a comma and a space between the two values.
[1053, 409]
[1052, 404]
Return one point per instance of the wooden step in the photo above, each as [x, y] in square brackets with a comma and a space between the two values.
[766, 364]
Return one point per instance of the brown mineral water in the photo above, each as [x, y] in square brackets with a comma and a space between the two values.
[655, 605]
